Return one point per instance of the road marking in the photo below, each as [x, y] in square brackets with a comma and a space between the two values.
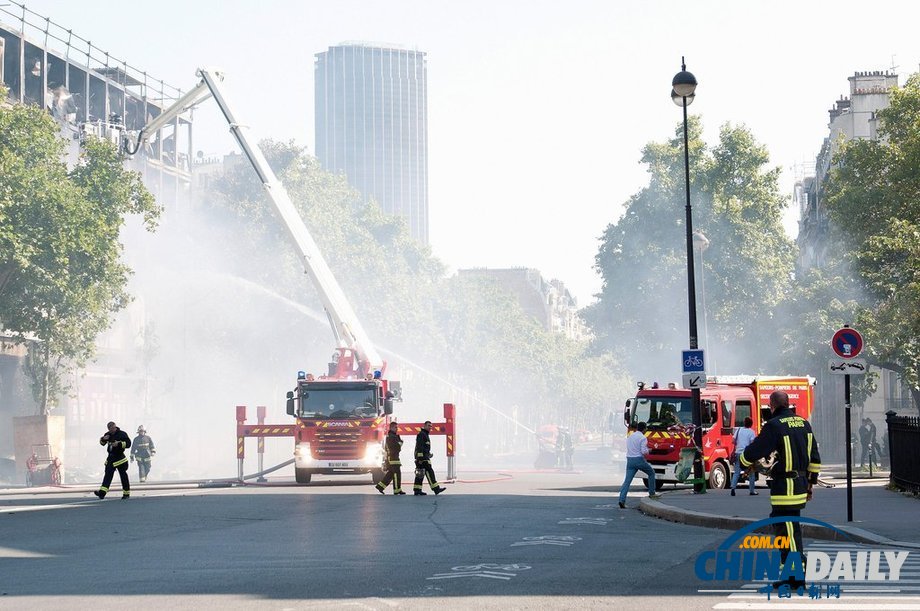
[9, 552]
[609, 506]
[484, 571]
[562, 540]
[811, 604]
[23, 508]
[598, 521]
[485, 574]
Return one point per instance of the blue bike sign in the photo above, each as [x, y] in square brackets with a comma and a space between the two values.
[692, 361]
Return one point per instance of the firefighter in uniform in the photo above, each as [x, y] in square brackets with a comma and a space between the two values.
[142, 450]
[116, 442]
[393, 466]
[794, 472]
[423, 462]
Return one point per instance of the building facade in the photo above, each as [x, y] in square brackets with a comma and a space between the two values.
[371, 117]
[851, 117]
[548, 301]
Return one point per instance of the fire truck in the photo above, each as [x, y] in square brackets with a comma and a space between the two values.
[342, 415]
[725, 402]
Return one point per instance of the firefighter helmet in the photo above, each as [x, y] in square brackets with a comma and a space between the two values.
[140, 429]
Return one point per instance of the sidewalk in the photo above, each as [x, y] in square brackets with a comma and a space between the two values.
[880, 516]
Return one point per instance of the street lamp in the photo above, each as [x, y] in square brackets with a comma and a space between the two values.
[683, 93]
[701, 243]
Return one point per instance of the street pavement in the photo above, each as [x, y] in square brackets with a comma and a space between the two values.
[518, 538]
[494, 540]
[880, 515]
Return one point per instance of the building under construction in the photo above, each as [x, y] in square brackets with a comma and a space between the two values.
[89, 92]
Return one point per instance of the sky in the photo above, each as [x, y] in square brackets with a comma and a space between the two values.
[537, 110]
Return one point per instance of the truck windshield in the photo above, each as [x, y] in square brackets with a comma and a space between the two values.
[338, 401]
[662, 412]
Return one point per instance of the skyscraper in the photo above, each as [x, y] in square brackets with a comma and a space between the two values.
[372, 124]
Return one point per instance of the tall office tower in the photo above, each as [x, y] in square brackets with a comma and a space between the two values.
[372, 124]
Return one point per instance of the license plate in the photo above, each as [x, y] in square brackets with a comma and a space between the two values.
[338, 464]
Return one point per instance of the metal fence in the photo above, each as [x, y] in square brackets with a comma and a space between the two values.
[904, 450]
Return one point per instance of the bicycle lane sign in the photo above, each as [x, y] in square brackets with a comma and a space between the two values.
[693, 366]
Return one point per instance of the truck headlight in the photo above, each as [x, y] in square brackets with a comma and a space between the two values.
[373, 454]
[302, 451]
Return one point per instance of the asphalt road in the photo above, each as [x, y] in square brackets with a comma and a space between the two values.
[522, 540]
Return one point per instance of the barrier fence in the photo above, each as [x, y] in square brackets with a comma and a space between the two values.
[903, 441]
[262, 430]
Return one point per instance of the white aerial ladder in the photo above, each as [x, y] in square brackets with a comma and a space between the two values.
[346, 327]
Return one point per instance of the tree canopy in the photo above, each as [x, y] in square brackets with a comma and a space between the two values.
[641, 313]
[61, 273]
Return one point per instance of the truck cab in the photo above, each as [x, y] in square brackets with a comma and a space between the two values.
[341, 425]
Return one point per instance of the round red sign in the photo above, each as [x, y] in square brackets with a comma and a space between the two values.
[847, 343]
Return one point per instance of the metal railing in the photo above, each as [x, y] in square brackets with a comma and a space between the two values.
[903, 444]
[75, 49]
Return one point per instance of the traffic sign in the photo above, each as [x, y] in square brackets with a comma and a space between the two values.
[693, 362]
[853, 367]
[695, 380]
[847, 343]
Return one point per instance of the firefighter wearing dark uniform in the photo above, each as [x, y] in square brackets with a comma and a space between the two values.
[795, 471]
[423, 462]
[393, 465]
[142, 450]
[116, 442]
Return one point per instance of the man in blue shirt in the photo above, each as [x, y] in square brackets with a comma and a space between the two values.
[636, 451]
[743, 438]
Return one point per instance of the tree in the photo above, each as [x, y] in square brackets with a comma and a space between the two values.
[642, 308]
[61, 275]
[873, 201]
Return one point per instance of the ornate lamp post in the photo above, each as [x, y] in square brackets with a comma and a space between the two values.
[683, 93]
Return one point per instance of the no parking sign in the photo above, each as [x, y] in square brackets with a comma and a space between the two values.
[847, 343]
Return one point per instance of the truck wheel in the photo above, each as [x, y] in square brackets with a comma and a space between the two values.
[658, 483]
[302, 476]
[718, 476]
[377, 475]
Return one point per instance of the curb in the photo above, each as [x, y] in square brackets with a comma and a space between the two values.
[670, 513]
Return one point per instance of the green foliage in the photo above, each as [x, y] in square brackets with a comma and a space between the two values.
[642, 308]
[873, 200]
[61, 275]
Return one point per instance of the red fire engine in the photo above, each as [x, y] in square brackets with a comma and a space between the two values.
[725, 402]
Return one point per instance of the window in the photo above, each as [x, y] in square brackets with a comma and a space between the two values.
[710, 413]
[727, 415]
[76, 80]
[742, 411]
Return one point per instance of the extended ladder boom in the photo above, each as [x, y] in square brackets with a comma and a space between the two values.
[345, 325]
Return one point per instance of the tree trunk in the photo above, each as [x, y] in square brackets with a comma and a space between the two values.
[6, 274]
[46, 378]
